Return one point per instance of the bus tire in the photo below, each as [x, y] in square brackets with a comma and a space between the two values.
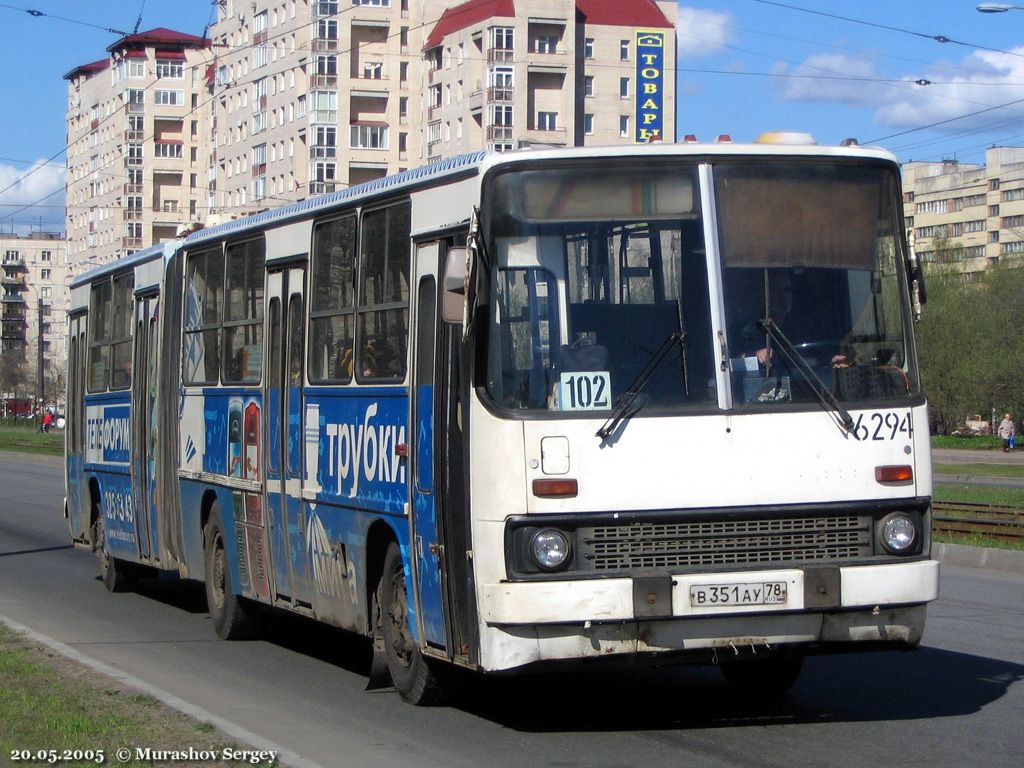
[763, 678]
[231, 620]
[118, 575]
[415, 678]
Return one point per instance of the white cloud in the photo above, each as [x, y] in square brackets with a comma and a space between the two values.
[41, 187]
[834, 77]
[701, 32]
[983, 80]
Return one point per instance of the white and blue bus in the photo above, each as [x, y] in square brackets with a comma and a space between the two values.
[655, 402]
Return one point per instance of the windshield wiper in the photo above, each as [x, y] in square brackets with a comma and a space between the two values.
[798, 362]
[626, 406]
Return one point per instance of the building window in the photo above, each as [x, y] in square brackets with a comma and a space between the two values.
[588, 85]
[588, 124]
[44, 274]
[374, 3]
[624, 87]
[368, 136]
[168, 150]
[169, 98]
[993, 184]
[1010, 195]
[373, 70]
[624, 50]
[623, 125]
[588, 48]
[502, 38]
[168, 68]
[545, 44]
[547, 121]
[46, 256]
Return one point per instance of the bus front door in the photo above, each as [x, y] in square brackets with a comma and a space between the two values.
[283, 437]
[426, 522]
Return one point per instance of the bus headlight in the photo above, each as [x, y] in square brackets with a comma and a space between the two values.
[899, 533]
[550, 549]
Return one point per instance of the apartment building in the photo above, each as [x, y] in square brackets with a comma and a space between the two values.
[136, 124]
[34, 301]
[964, 216]
[310, 96]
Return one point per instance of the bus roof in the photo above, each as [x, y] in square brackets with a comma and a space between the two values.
[482, 161]
[160, 250]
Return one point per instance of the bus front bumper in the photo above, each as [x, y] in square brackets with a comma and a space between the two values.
[524, 622]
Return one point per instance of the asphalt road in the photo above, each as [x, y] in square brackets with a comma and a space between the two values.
[955, 702]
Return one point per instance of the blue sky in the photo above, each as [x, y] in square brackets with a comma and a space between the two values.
[835, 69]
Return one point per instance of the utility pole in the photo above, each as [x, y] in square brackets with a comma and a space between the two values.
[41, 385]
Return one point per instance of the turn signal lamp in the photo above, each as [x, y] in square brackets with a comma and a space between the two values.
[555, 489]
[894, 473]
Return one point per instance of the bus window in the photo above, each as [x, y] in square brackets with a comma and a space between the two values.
[332, 307]
[243, 313]
[100, 323]
[383, 324]
[121, 332]
[204, 289]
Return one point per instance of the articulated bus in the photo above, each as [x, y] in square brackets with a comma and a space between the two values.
[527, 409]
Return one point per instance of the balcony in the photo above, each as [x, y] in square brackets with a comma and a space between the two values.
[325, 45]
[132, 214]
[258, 170]
[329, 116]
[131, 242]
[500, 93]
[499, 133]
[322, 152]
[323, 81]
[500, 55]
[133, 189]
[14, 262]
[321, 187]
[134, 135]
[325, 8]
[13, 279]
[136, 107]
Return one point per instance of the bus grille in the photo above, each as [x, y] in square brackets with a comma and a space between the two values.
[748, 542]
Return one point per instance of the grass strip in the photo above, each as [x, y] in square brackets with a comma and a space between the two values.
[980, 470]
[50, 704]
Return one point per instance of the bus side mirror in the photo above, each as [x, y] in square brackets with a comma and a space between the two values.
[453, 301]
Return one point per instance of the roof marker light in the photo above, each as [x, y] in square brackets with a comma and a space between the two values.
[790, 138]
[724, 138]
[689, 139]
[851, 142]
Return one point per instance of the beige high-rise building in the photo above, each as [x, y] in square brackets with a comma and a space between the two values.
[288, 99]
[136, 158]
[35, 301]
[310, 96]
[967, 217]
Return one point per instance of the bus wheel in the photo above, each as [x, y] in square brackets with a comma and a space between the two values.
[230, 618]
[118, 576]
[416, 680]
[766, 678]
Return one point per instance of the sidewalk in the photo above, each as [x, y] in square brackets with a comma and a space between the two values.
[979, 456]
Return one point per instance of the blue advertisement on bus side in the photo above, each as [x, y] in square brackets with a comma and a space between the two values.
[108, 434]
[354, 448]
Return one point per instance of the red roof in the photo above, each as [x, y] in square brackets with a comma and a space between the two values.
[465, 15]
[617, 13]
[622, 13]
[88, 69]
[160, 36]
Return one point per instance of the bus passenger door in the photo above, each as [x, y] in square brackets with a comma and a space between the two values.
[426, 521]
[143, 393]
[283, 436]
[78, 497]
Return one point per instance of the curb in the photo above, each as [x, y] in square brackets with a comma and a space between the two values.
[284, 756]
[1008, 560]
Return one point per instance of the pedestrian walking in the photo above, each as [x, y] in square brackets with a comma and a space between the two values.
[1008, 432]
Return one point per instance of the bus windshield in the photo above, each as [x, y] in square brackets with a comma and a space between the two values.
[813, 282]
[594, 269]
[600, 286]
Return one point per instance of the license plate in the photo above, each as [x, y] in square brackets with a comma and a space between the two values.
[725, 595]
